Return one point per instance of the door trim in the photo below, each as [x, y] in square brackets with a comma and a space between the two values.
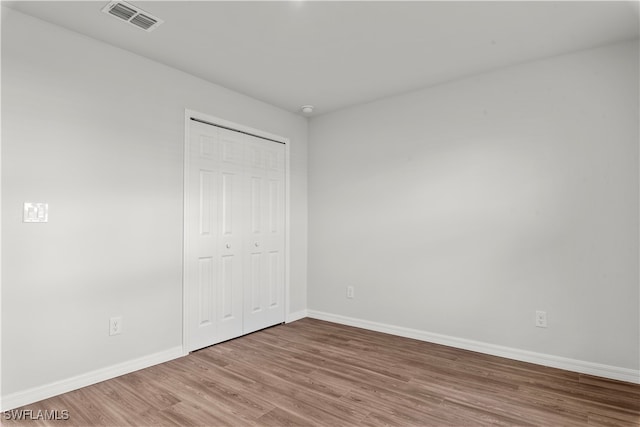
[217, 121]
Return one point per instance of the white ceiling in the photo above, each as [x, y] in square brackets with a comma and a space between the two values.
[337, 54]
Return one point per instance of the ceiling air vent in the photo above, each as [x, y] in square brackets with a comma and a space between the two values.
[133, 15]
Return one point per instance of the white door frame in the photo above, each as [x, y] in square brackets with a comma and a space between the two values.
[188, 114]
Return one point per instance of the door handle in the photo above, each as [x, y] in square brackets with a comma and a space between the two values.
[257, 244]
[228, 245]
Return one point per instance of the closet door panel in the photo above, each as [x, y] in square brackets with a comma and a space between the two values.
[265, 274]
[201, 250]
[230, 212]
[234, 234]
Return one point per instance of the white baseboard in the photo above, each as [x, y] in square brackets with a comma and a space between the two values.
[590, 368]
[36, 394]
[292, 317]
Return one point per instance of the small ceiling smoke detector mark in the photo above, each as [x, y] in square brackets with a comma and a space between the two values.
[133, 15]
[307, 109]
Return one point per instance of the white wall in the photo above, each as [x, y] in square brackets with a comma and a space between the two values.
[97, 132]
[463, 208]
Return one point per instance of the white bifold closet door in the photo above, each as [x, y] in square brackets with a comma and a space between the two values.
[235, 239]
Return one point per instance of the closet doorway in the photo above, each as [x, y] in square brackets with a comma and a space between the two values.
[235, 231]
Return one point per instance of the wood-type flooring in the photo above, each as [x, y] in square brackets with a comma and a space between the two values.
[318, 373]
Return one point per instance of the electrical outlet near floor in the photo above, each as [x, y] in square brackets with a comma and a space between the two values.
[115, 325]
[541, 319]
[350, 292]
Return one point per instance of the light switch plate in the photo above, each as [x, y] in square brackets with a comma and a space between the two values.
[36, 212]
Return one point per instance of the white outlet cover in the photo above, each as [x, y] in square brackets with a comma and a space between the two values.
[36, 212]
[541, 319]
[115, 325]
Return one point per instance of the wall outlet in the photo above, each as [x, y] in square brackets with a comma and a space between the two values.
[115, 325]
[541, 319]
[350, 292]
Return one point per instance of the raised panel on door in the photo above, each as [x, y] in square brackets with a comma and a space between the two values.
[264, 279]
[206, 310]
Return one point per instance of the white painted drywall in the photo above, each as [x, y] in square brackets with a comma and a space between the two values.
[463, 208]
[97, 133]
